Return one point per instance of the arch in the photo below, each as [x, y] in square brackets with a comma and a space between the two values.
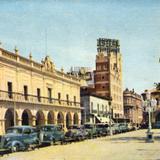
[26, 117]
[68, 119]
[60, 118]
[9, 118]
[40, 118]
[75, 118]
[50, 117]
[158, 117]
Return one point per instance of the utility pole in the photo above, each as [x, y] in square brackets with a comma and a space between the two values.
[110, 116]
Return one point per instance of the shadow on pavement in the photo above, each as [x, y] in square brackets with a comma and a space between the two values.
[4, 152]
[129, 139]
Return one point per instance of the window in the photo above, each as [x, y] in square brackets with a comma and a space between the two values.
[74, 100]
[98, 109]
[10, 90]
[59, 98]
[67, 98]
[26, 92]
[106, 109]
[102, 108]
[39, 94]
[91, 107]
[49, 95]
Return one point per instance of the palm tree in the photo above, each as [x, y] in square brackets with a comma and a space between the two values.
[157, 85]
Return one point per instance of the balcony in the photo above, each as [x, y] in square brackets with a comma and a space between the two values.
[23, 98]
[129, 104]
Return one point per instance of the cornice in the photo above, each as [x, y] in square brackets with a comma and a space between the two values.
[55, 75]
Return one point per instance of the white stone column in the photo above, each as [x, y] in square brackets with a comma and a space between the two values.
[34, 121]
[45, 121]
[64, 125]
[19, 122]
[55, 120]
[2, 126]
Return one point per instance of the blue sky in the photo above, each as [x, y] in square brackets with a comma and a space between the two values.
[74, 26]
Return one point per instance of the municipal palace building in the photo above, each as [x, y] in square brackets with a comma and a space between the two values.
[33, 93]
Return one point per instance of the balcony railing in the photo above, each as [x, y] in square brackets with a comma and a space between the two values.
[19, 97]
[132, 104]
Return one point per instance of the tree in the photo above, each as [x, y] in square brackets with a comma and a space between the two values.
[157, 85]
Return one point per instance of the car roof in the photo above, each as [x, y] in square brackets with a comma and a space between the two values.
[24, 126]
[76, 125]
[101, 123]
[89, 124]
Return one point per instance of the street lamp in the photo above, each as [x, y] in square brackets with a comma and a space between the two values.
[149, 104]
[110, 116]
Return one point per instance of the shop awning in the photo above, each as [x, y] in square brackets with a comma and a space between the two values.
[101, 119]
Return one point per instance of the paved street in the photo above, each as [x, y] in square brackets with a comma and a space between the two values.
[127, 146]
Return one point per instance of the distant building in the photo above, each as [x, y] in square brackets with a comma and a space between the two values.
[85, 74]
[133, 109]
[108, 74]
[95, 109]
[106, 80]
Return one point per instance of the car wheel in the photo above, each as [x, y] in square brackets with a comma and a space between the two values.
[79, 138]
[52, 142]
[62, 141]
[15, 148]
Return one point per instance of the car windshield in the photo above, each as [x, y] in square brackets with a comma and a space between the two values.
[101, 126]
[14, 130]
[122, 124]
[47, 128]
[106, 125]
[88, 126]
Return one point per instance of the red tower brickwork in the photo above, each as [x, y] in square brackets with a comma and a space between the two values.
[108, 73]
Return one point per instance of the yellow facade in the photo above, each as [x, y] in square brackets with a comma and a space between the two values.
[34, 93]
[116, 89]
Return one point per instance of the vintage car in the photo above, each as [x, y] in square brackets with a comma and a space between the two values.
[157, 125]
[130, 127]
[116, 128]
[102, 129]
[75, 133]
[91, 130]
[123, 127]
[20, 138]
[50, 134]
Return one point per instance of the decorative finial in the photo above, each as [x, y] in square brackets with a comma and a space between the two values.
[30, 56]
[16, 50]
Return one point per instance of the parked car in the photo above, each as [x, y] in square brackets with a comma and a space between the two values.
[157, 125]
[116, 128]
[75, 133]
[123, 127]
[20, 138]
[91, 130]
[51, 134]
[130, 127]
[102, 129]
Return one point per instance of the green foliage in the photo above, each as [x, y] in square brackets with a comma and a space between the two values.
[157, 85]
